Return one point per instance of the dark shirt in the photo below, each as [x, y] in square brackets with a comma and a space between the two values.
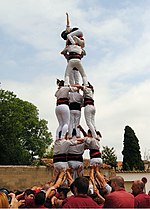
[119, 199]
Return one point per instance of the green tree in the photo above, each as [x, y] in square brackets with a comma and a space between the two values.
[22, 134]
[50, 152]
[131, 151]
[109, 157]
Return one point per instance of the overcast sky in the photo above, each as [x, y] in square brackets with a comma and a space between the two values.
[117, 37]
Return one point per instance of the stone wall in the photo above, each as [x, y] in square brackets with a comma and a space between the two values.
[22, 177]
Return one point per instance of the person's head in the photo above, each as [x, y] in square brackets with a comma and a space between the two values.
[29, 194]
[144, 179]
[62, 192]
[3, 200]
[137, 187]
[149, 193]
[40, 198]
[6, 192]
[91, 87]
[98, 134]
[65, 33]
[60, 82]
[89, 133]
[117, 183]
[81, 185]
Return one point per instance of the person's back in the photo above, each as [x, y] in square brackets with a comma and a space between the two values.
[142, 200]
[119, 198]
[80, 199]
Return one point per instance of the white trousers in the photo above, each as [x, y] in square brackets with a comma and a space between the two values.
[96, 161]
[60, 166]
[74, 165]
[89, 114]
[74, 77]
[63, 115]
[75, 116]
[75, 63]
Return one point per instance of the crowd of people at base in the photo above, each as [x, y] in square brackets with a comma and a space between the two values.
[93, 191]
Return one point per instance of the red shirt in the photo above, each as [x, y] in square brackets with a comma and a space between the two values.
[119, 199]
[80, 201]
[142, 200]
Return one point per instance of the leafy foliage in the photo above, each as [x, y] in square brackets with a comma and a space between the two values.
[22, 134]
[50, 152]
[131, 151]
[109, 157]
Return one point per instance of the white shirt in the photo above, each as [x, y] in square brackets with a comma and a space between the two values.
[92, 143]
[74, 48]
[75, 97]
[63, 92]
[87, 93]
[61, 146]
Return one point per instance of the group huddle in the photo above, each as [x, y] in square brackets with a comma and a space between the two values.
[69, 145]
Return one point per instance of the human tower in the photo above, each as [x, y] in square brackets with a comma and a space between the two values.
[69, 146]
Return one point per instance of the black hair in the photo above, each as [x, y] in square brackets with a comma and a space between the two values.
[82, 185]
[99, 134]
[64, 33]
[60, 82]
[89, 131]
[91, 87]
[65, 190]
[40, 198]
[29, 191]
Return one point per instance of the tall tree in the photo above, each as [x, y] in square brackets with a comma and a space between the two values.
[109, 157]
[22, 134]
[131, 151]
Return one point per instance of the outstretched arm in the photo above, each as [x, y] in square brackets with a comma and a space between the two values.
[82, 130]
[68, 29]
[69, 177]
[68, 22]
[100, 177]
[52, 190]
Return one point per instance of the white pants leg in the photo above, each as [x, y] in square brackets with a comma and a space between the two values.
[60, 166]
[96, 161]
[71, 123]
[89, 114]
[63, 116]
[75, 63]
[74, 77]
[74, 165]
[75, 116]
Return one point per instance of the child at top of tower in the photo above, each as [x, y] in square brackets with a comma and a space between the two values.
[73, 52]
